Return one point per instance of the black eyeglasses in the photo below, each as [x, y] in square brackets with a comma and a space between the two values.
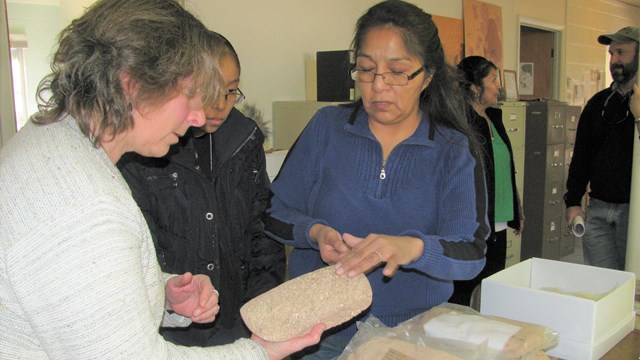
[612, 116]
[389, 78]
[234, 95]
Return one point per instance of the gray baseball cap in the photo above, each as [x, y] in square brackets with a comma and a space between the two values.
[626, 34]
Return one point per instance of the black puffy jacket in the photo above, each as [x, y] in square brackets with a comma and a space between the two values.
[209, 222]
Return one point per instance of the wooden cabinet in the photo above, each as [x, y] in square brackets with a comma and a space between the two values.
[513, 118]
[546, 157]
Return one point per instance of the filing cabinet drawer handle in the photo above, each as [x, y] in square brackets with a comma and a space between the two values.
[553, 202]
[558, 126]
[514, 129]
[553, 239]
[556, 164]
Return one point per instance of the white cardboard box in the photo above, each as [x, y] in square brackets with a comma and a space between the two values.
[587, 328]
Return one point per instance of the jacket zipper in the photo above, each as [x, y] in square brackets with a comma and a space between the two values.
[249, 138]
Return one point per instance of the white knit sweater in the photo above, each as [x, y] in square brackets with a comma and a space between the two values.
[78, 273]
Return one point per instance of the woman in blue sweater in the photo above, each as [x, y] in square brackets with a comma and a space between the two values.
[391, 185]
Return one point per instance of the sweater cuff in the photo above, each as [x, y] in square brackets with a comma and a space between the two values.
[424, 259]
[301, 234]
[173, 320]
[244, 349]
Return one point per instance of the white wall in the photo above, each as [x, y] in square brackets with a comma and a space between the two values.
[273, 38]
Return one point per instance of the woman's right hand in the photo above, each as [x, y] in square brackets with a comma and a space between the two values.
[280, 350]
[330, 243]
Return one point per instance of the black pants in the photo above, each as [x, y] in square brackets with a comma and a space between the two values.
[496, 257]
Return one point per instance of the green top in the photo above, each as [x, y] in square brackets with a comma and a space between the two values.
[503, 187]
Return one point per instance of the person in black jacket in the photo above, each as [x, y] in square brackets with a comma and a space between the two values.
[479, 79]
[203, 203]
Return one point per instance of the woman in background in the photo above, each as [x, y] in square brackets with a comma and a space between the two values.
[479, 79]
[388, 186]
[203, 203]
[79, 277]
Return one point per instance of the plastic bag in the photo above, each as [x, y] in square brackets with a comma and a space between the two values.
[450, 332]
[376, 341]
[504, 338]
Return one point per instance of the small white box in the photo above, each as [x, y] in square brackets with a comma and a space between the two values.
[587, 328]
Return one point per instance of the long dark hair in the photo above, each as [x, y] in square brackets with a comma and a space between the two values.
[473, 70]
[442, 99]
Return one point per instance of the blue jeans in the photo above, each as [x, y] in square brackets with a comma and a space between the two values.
[329, 348]
[605, 238]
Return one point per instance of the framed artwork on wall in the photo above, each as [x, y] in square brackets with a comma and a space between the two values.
[451, 33]
[526, 78]
[483, 30]
[511, 85]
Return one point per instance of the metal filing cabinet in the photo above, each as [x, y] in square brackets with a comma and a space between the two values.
[291, 117]
[513, 118]
[544, 185]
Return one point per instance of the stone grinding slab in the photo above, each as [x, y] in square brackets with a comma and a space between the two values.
[294, 307]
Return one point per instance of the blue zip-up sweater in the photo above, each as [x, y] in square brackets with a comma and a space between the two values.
[431, 187]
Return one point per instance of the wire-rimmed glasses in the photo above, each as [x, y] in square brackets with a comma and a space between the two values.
[234, 95]
[389, 78]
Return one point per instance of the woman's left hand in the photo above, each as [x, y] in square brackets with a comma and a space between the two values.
[369, 252]
[193, 296]
[521, 226]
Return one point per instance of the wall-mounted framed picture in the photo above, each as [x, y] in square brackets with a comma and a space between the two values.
[526, 78]
[511, 85]
[501, 95]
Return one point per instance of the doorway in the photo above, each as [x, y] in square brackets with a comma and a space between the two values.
[539, 61]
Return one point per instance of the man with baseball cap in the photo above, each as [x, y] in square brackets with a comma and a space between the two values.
[603, 153]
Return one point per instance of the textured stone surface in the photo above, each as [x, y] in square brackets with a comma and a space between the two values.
[294, 307]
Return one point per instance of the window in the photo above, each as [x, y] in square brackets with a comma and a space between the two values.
[18, 69]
